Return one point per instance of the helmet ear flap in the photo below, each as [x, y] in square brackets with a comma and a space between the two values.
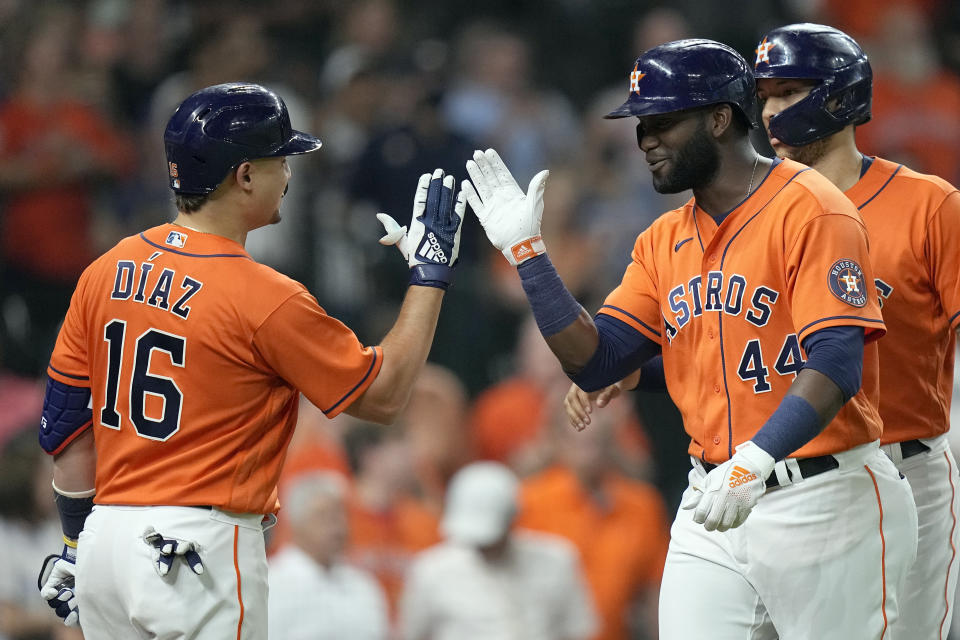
[853, 104]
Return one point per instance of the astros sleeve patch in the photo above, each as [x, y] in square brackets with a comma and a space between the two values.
[847, 284]
[830, 276]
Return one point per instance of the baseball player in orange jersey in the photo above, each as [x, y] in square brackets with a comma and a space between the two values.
[815, 85]
[174, 384]
[756, 293]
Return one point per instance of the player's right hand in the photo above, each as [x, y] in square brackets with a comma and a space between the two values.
[510, 218]
[432, 244]
[579, 403]
[58, 587]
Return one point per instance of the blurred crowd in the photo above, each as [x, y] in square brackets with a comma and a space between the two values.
[395, 88]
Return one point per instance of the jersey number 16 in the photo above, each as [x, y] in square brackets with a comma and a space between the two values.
[142, 382]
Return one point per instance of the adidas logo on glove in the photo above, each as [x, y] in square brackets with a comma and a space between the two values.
[430, 249]
[739, 476]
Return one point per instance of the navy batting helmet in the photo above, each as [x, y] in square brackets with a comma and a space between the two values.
[689, 73]
[219, 127]
[816, 52]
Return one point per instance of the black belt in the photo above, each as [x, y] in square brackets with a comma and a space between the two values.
[808, 467]
[912, 448]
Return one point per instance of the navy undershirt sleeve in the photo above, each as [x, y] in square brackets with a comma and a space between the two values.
[621, 351]
[652, 377]
[836, 352]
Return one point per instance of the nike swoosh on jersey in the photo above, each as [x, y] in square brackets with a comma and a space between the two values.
[677, 246]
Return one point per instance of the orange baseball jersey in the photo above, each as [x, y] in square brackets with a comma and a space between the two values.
[194, 354]
[731, 305]
[914, 225]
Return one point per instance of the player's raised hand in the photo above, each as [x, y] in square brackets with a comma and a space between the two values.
[579, 403]
[728, 493]
[432, 244]
[510, 217]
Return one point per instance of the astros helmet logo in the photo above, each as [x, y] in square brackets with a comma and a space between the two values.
[635, 77]
[763, 51]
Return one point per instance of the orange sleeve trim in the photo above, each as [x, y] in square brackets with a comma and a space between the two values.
[70, 439]
[236, 567]
[874, 329]
[883, 553]
[358, 388]
[632, 320]
[947, 601]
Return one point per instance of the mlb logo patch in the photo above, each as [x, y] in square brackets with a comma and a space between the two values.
[174, 174]
[176, 239]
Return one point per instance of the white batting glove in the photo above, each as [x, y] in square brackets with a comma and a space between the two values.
[724, 498]
[510, 218]
[58, 587]
[394, 234]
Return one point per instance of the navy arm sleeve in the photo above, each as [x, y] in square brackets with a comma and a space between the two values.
[836, 352]
[652, 377]
[621, 351]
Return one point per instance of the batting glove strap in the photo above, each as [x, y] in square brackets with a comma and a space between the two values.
[524, 250]
[431, 275]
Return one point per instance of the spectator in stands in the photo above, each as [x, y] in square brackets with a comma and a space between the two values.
[618, 524]
[486, 581]
[314, 593]
[388, 524]
[916, 99]
[29, 528]
[435, 424]
[55, 150]
[509, 420]
[494, 102]
[316, 445]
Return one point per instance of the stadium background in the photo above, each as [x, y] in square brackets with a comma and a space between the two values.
[393, 88]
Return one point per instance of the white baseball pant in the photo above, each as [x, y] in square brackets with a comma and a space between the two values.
[121, 595]
[824, 557]
[927, 603]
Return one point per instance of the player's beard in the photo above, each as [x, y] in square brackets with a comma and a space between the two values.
[695, 164]
[807, 154]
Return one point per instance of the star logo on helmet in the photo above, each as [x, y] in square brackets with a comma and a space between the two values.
[635, 77]
[763, 51]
